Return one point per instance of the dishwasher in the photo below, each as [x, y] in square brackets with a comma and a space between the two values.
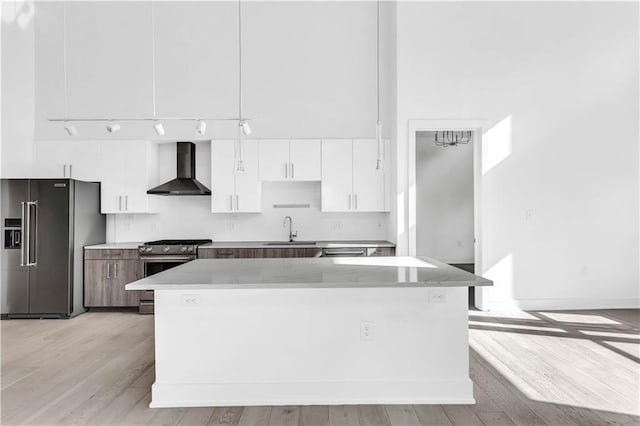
[348, 252]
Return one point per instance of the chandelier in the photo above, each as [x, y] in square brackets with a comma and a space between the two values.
[453, 137]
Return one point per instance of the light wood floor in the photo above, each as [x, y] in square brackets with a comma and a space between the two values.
[530, 368]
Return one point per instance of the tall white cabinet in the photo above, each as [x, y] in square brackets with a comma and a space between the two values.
[233, 191]
[350, 180]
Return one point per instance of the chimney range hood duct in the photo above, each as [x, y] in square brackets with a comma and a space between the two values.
[185, 183]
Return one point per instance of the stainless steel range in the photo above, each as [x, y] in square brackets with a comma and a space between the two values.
[158, 256]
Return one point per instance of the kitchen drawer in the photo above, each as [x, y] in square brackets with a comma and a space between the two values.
[383, 251]
[287, 252]
[225, 253]
[110, 254]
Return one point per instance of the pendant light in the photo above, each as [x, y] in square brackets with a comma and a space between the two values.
[157, 125]
[243, 125]
[201, 128]
[379, 161]
[70, 128]
[113, 127]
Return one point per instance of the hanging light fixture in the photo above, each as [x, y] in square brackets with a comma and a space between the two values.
[201, 128]
[447, 138]
[157, 126]
[243, 126]
[157, 122]
[70, 128]
[379, 161]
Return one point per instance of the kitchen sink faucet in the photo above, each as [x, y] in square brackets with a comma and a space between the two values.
[292, 235]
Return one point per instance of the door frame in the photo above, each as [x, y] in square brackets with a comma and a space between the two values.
[479, 127]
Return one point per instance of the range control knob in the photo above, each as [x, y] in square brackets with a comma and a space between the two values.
[190, 248]
[148, 249]
[183, 249]
[141, 249]
[165, 249]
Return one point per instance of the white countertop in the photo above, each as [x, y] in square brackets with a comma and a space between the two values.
[340, 272]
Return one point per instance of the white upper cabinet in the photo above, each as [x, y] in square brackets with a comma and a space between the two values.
[350, 180]
[233, 191]
[274, 160]
[306, 159]
[337, 175]
[67, 159]
[368, 182]
[129, 169]
[290, 160]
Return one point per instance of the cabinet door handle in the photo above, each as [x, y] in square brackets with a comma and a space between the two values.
[71, 170]
[115, 270]
[237, 202]
[126, 202]
[286, 171]
[349, 201]
[355, 201]
[64, 170]
[231, 202]
[108, 270]
[292, 174]
[120, 202]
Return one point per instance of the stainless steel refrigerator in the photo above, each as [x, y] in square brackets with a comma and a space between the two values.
[46, 223]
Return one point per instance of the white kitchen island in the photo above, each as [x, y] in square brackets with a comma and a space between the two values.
[364, 330]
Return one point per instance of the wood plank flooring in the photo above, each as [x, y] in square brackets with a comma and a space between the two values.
[528, 368]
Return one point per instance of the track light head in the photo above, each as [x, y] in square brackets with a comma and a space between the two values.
[202, 127]
[246, 128]
[71, 129]
[113, 127]
[159, 128]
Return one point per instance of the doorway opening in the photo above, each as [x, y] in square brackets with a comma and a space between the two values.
[444, 195]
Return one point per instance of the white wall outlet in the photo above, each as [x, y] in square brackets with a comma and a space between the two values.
[366, 330]
[337, 226]
[190, 299]
[437, 296]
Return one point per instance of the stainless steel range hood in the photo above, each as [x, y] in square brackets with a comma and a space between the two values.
[185, 183]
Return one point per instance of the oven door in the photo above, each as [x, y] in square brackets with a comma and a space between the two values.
[152, 265]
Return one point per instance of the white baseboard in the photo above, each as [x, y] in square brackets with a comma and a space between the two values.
[562, 304]
[165, 395]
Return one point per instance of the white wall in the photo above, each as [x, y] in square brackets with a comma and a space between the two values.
[17, 89]
[186, 217]
[444, 200]
[560, 157]
[309, 68]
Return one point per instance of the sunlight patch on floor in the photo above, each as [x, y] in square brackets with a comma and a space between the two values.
[578, 318]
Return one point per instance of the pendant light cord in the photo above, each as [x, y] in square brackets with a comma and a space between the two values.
[378, 54]
[64, 56]
[153, 58]
[239, 60]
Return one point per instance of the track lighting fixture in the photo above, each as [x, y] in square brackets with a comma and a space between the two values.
[113, 127]
[71, 129]
[159, 128]
[201, 128]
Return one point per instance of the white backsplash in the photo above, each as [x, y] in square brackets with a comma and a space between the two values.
[191, 217]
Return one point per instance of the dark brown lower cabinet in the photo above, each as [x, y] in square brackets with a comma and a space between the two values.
[105, 279]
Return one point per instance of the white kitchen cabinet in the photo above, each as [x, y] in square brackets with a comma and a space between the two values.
[67, 159]
[290, 160]
[129, 169]
[233, 191]
[350, 181]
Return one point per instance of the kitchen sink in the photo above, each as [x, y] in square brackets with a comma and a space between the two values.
[291, 243]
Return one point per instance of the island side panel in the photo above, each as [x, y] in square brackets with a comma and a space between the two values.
[310, 346]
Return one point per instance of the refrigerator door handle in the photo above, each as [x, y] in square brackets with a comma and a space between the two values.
[23, 234]
[35, 251]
